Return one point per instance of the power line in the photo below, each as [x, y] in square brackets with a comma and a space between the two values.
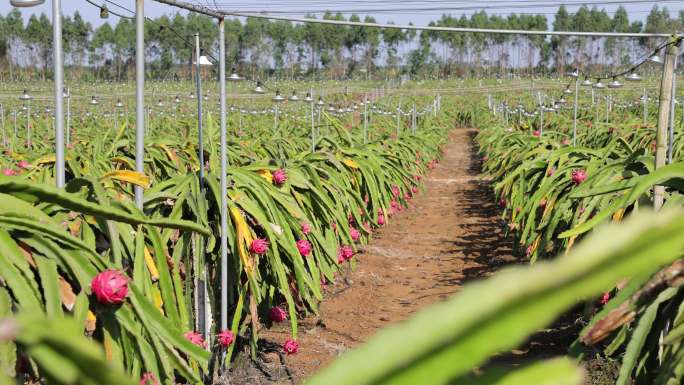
[221, 14]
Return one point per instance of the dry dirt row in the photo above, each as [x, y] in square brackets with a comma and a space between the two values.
[450, 234]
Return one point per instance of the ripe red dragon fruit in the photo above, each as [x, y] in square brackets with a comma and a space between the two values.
[395, 191]
[259, 246]
[578, 176]
[23, 165]
[110, 287]
[306, 228]
[355, 234]
[536, 133]
[149, 379]
[304, 247]
[605, 298]
[225, 338]
[279, 177]
[8, 172]
[414, 190]
[417, 178]
[277, 314]
[381, 220]
[195, 338]
[290, 346]
[344, 253]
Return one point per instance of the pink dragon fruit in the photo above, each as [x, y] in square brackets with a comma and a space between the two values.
[225, 338]
[8, 172]
[279, 177]
[536, 133]
[381, 220]
[277, 314]
[23, 165]
[149, 379]
[110, 287]
[395, 191]
[259, 246]
[195, 338]
[344, 253]
[355, 234]
[306, 228]
[290, 347]
[578, 176]
[304, 247]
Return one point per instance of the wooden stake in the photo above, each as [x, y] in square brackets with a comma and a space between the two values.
[663, 117]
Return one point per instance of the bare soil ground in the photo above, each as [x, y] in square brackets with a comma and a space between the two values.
[451, 234]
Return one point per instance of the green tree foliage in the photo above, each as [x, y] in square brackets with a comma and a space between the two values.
[262, 47]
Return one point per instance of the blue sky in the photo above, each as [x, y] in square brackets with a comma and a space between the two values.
[153, 9]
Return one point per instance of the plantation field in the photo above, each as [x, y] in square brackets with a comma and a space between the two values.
[383, 203]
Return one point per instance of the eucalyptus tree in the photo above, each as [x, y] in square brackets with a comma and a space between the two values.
[39, 38]
[76, 33]
[393, 37]
[562, 21]
[100, 48]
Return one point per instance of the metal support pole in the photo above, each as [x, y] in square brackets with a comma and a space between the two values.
[313, 129]
[199, 269]
[224, 181]
[645, 107]
[200, 133]
[365, 119]
[2, 124]
[139, 96]
[59, 85]
[28, 124]
[67, 129]
[663, 119]
[609, 98]
[575, 107]
[398, 121]
[275, 119]
[413, 119]
[541, 120]
[670, 142]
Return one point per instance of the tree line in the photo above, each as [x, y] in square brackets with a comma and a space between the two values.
[260, 47]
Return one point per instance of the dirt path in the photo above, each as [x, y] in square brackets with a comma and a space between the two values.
[450, 234]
